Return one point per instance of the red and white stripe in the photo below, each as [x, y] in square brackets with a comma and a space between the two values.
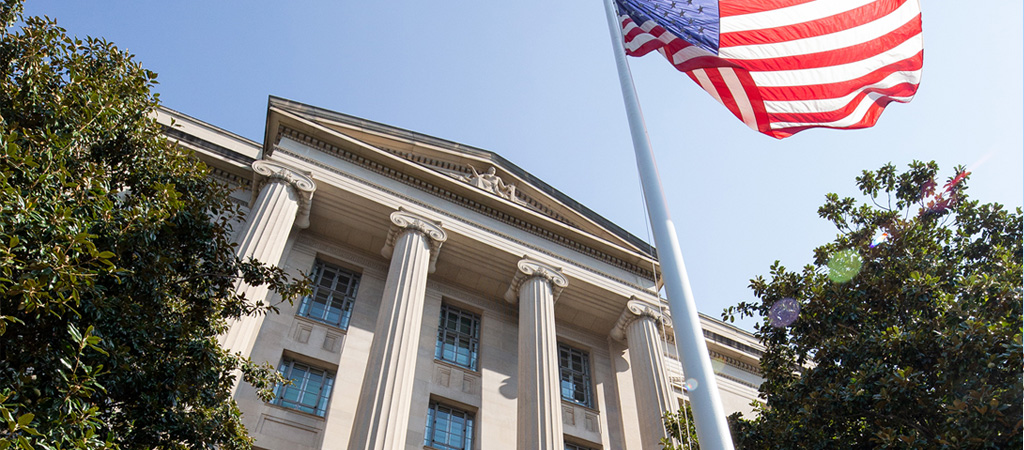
[788, 65]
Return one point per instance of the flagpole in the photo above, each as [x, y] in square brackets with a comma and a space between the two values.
[708, 414]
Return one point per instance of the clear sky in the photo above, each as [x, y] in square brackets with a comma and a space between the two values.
[535, 82]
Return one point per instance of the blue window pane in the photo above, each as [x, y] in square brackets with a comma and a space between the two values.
[333, 294]
[574, 368]
[309, 391]
[448, 428]
[457, 337]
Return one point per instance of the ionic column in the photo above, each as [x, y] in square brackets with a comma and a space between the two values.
[382, 416]
[536, 287]
[638, 326]
[282, 199]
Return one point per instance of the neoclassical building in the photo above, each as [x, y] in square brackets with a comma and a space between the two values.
[458, 301]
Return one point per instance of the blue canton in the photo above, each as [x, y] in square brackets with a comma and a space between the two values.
[695, 21]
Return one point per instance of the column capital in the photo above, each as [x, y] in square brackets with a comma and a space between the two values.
[404, 221]
[527, 269]
[636, 309]
[266, 171]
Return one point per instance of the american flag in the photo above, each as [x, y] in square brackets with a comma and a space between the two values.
[782, 66]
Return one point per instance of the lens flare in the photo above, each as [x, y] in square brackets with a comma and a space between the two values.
[880, 236]
[844, 265]
[690, 385]
[938, 200]
[784, 312]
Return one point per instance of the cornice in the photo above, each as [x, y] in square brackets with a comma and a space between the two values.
[462, 219]
[232, 180]
[462, 169]
[750, 368]
[175, 134]
[453, 197]
[318, 116]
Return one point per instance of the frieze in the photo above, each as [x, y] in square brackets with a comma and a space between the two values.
[443, 193]
[614, 261]
[338, 252]
[464, 173]
[233, 181]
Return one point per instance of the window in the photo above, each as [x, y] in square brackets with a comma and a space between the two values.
[571, 446]
[448, 428]
[574, 367]
[310, 389]
[458, 337]
[334, 291]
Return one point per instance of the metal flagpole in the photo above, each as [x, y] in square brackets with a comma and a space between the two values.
[708, 414]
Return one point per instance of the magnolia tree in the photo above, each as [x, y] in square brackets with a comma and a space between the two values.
[904, 333]
[116, 269]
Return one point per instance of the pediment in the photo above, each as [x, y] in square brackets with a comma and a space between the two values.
[475, 176]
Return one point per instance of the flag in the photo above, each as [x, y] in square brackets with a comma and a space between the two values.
[782, 66]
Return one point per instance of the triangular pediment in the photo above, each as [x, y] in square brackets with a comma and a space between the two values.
[452, 170]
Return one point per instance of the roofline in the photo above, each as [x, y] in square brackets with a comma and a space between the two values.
[211, 126]
[286, 104]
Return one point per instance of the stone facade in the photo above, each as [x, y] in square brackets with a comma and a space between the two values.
[452, 307]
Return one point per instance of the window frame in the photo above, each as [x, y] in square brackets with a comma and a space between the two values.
[331, 302]
[467, 429]
[570, 379]
[287, 369]
[472, 338]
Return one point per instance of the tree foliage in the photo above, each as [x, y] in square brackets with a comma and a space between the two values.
[681, 431]
[909, 327]
[116, 269]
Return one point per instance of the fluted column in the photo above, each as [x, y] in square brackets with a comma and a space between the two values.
[382, 416]
[638, 326]
[536, 287]
[282, 199]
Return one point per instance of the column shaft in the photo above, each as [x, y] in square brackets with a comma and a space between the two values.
[282, 194]
[650, 383]
[638, 326]
[382, 416]
[535, 287]
[540, 399]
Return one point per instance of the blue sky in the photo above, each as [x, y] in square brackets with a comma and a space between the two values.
[535, 82]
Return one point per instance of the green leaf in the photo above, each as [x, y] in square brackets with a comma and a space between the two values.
[25, 419]
[75, 334]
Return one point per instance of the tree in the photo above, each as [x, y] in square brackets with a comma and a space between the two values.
[681, 431]
[906, 330]
[116, 269]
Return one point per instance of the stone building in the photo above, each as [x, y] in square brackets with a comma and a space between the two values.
[459, 302]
